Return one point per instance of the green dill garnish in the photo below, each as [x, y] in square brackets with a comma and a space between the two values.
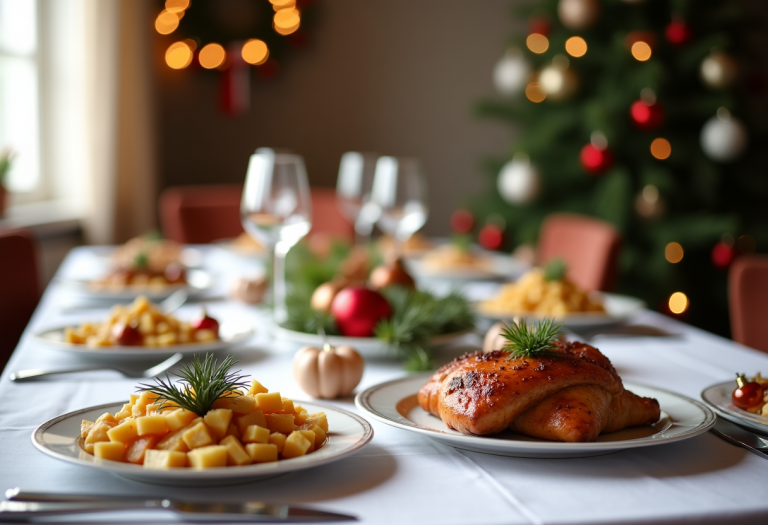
[555, 269]
[524, 340]
[200, 385]
[141, 261]
[462, 241]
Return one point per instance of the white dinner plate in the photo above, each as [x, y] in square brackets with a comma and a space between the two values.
[368, 347]
[60, 439]
[197, 281]
[395, 404]
[719, 398]
[496, 267]
[230, 334]
[618, 308]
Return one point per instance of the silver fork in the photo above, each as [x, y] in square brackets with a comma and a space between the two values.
[26, 375]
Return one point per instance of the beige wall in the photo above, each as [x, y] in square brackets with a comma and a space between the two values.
[396, 77]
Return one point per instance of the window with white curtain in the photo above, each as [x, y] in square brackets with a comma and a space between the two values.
[20, 94]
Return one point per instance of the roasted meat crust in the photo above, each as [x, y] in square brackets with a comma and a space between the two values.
[573, 395]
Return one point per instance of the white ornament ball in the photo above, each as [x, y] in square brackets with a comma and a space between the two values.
[578, 14]
[518, 181]
[511, 72]
[723, 137]
[558, 82]
[719, 70]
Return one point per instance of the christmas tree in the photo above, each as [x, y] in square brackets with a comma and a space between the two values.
[636, 112]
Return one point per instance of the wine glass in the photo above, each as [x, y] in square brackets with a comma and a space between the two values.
[400, 194]
[353, 192]
[276, 210]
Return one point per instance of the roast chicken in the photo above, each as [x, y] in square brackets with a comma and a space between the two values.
[571, 395]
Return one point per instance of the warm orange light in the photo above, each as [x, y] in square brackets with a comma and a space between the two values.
[284, 31]
[287, 18]
[576, 46]
[255, 52]
[178, 55]
[641, 51]
[674, 252]
[537, 43]
[176, 6]
[535, 93]
[212, 56]
[661, 148]
[678, 302]
[166, 23]
[283, 5]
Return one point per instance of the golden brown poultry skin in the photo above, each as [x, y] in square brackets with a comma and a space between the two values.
[573, 394]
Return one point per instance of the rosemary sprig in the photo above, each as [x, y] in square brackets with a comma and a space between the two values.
[524, 340]
[555, 269]
[200, 385]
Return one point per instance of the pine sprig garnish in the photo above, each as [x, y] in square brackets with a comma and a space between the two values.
[200, 385]
[555, 270]
[524, 340]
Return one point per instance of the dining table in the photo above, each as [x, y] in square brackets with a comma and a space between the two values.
[400, 476]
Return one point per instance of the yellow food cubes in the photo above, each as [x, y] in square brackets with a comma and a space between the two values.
[255, 434]
[236, 454]
[295, 445]
[254, 418]
[319, 419]
[161, 459]
[288, 406]
[277, 439]
[320, 434]
[257, 388]
[217, 421]
[125, 432]
[211, 456]
[156, 424]
[310, 437]
[269, 402]
[111, 450]
[96, 434]
[197, 436]
[282, 423]
[179, 418]
[239, 405]
[262, 452]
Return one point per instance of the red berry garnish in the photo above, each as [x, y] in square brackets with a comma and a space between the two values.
[462, 221]
[748, 394]
[206, 322]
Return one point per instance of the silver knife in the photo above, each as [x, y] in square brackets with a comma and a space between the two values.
[741, 437]
[192, 511]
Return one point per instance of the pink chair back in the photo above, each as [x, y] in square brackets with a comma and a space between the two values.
[19, 287]
[203, 214]
[748, 298]
[589, 246]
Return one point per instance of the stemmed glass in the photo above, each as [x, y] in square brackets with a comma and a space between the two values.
[353, 192]
[277, 211]
[400, 194]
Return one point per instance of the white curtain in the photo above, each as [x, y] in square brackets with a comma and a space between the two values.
[97, 90]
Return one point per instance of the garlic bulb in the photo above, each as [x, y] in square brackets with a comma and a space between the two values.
[328, 373]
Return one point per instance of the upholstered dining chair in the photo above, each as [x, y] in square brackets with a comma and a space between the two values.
[19, 287]
[748, 301]
[203, 214]
[590, 248]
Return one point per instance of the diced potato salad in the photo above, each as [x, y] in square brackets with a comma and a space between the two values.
[257, 426]
[139, 324]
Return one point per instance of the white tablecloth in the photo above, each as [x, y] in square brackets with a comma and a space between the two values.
[401, 477]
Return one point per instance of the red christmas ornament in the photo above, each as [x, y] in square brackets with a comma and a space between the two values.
[491, 237]
[678, 33]
[723, 255]
[540, 25]
[595, 160]
[646, 117]
[127, 334]
[357, 310]
[462, 221]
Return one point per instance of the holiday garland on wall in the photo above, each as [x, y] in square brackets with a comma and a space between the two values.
[640, 113]
[235, 38]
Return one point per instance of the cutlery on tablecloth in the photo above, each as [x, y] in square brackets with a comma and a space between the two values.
[741, 437]
[26, 375]
[249, 511]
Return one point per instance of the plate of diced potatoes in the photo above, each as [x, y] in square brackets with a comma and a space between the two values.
[140, 330]
[257, 435]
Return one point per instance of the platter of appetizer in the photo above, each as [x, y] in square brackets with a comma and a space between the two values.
[457, 264]
[237, 431]
[547, 292]
[538, 397]
[141, 330]
[743, 401]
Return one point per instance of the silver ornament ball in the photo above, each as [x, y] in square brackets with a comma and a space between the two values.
[511, 72]
[723, 137]
[578, 14]
[518, 181]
